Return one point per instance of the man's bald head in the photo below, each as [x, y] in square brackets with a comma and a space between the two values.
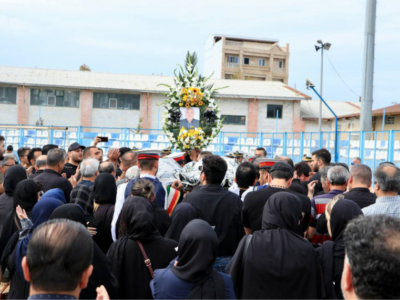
[387, 176]
[129, 159]
[41, 162]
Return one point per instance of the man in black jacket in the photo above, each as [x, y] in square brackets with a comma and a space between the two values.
[219, 207]
[280, 179]
[320, 159]
[51, 177]
[359, 184]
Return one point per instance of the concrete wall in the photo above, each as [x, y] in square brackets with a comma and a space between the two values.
[156, 120]
[269, 125]
[57, 116]
[235, 107]
[213, 58]
[115, 118]
[8, 114]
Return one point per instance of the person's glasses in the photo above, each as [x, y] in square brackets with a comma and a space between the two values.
[8, 165]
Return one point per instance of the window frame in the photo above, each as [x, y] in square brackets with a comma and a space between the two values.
[119, 97]
[5, 93]
[261, 60]
[233, 57]
[392, 120]
[244, 61]
[280, 64]
[226, 119]
[60, 95]
[275, 107]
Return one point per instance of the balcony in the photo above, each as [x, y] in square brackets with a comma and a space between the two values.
[232, 65]
[279, 70]
[235, 44]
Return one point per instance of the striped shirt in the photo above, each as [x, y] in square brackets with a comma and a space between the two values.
[318, 205]
[387, 205]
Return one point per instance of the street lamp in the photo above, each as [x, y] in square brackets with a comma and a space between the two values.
[323, 47]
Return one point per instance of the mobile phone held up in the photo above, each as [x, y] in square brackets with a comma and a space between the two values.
[104, 139]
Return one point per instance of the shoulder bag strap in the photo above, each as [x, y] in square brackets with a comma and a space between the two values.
[146, 259]
[16, 222]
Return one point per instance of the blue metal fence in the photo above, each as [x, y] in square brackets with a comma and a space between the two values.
[372, 147]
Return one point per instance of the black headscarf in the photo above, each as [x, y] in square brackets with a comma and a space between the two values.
[137, 220]
[197, 251]
[102, 274]
[181, 216]
[83, 196]
[342, 213]
[331, 254]
[279, 263]
[105, 189]
[12, 177]
[25, 195]
[71, 212]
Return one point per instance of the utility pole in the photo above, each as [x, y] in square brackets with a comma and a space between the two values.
[368, 69]
[322, 83]
[323, 47]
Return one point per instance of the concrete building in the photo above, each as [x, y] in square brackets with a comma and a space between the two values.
[75, 98]
[234, 57]
[310, 115]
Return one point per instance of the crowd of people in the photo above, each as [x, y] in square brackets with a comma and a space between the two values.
[74, 226]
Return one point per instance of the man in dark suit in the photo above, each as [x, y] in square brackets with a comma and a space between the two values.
[219, 207]
[359, 184]
[190, 120]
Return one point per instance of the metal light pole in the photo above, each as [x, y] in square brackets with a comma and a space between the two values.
[323, 46]
[368, 69]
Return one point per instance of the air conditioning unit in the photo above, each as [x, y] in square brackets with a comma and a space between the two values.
[113, 102]
[51, 100]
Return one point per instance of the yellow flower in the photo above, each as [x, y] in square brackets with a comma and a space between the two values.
[181, 104]
[201, 103]
[199, 128]
[183, 128]
[192, 104]
[187, 104]
[187, 147]
[185, 98]
[184, 91]
[195, 90]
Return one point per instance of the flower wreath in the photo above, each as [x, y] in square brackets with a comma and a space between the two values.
[191, 91]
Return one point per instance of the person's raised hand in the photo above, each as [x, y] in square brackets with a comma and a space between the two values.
[113, 155]
[96, 140]
[311, 187]
[102, 293]
[74, 178]
[21, 213]
[29, 171]
[177, 185]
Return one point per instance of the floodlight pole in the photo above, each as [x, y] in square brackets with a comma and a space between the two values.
[322, 80]
[336, 123]
[368, 69]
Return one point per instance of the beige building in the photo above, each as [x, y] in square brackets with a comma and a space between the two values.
[233, 57]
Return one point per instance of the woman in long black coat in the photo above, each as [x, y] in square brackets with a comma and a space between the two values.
[137, 225]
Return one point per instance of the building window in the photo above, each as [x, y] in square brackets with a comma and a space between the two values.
[62, 98]
[389, 120]
[280, 63]
[116, 101]
[233, 59]
[246, 60]
[274, 111]
[233, 120]
[8, 95]
[261, 62]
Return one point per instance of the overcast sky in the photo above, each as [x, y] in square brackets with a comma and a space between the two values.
[151, 37]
